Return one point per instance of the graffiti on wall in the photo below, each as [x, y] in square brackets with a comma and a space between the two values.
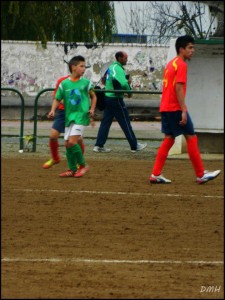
[31, 69]
[150, 75]
[18, 80]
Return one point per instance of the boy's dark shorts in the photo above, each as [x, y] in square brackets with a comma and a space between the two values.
[170, 124]
[59, 122]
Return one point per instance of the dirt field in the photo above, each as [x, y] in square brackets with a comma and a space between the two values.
[110, 234]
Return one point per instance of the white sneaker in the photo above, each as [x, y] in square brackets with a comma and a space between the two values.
[139, 147]
[159, 179]
[208, 176]
[101, 149]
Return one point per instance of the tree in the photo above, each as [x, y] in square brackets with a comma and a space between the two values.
[135, 17]
[183, 17]
[69, 21]
[217, 9]
[166, 19]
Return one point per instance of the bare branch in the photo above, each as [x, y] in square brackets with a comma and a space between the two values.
[173, 18]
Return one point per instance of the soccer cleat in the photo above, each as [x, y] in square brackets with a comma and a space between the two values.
[81, 171]
[51, 162]
[101, 149]
[208, 176]
[139, 147]
[159, 179]
[68, 173]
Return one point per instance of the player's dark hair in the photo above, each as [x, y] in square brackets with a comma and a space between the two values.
[183, 41]
[75, 61]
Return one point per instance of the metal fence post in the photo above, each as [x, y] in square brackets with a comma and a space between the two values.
[22, 113]
[35, 116]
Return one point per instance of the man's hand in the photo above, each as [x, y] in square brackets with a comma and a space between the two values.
[91, 113]
[51, 114]
[184, 118]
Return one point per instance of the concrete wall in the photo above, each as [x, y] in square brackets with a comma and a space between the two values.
[205, 89]
[30, 68]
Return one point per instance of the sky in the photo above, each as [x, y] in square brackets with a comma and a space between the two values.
[121, 7]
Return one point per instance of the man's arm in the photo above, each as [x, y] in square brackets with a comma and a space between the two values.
[93, 105]
[121, 78]
[55, 104]
[93, 102]
[181, 100]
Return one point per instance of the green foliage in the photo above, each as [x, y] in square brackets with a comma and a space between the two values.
[67, 21]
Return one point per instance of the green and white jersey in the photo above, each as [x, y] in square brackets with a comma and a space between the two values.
[76, 100]
[116, 72]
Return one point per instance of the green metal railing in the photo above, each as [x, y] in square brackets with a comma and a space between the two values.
[35, 116]
[129, 92]
[97, 90]
[22, 113]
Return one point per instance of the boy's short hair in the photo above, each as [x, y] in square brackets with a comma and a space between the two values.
[75, 61]
[183, 41]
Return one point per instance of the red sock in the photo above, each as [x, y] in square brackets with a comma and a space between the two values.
[162, 155]
[54, 147]
[195, 157]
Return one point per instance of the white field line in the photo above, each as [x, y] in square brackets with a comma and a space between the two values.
[110, 261]
[115, 193]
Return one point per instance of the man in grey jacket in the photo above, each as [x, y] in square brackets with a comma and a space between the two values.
[115, 106]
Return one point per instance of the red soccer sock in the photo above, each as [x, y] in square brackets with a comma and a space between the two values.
[162, 155]
[195, 157]
[54, 147]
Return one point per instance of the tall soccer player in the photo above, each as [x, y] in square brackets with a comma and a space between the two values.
[175, 118]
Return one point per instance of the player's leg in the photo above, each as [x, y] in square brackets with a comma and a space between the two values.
[194, 154]
[160, 160]
[78, 152]
[167, 143]
[81, 143]
[57, 128]
[192, 147]
[74, 152]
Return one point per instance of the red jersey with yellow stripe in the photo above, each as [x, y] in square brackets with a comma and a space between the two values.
[61, 105]
[175, 72]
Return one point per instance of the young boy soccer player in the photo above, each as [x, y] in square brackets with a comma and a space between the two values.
[175, 118]
[58, 127]
[75, 91]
